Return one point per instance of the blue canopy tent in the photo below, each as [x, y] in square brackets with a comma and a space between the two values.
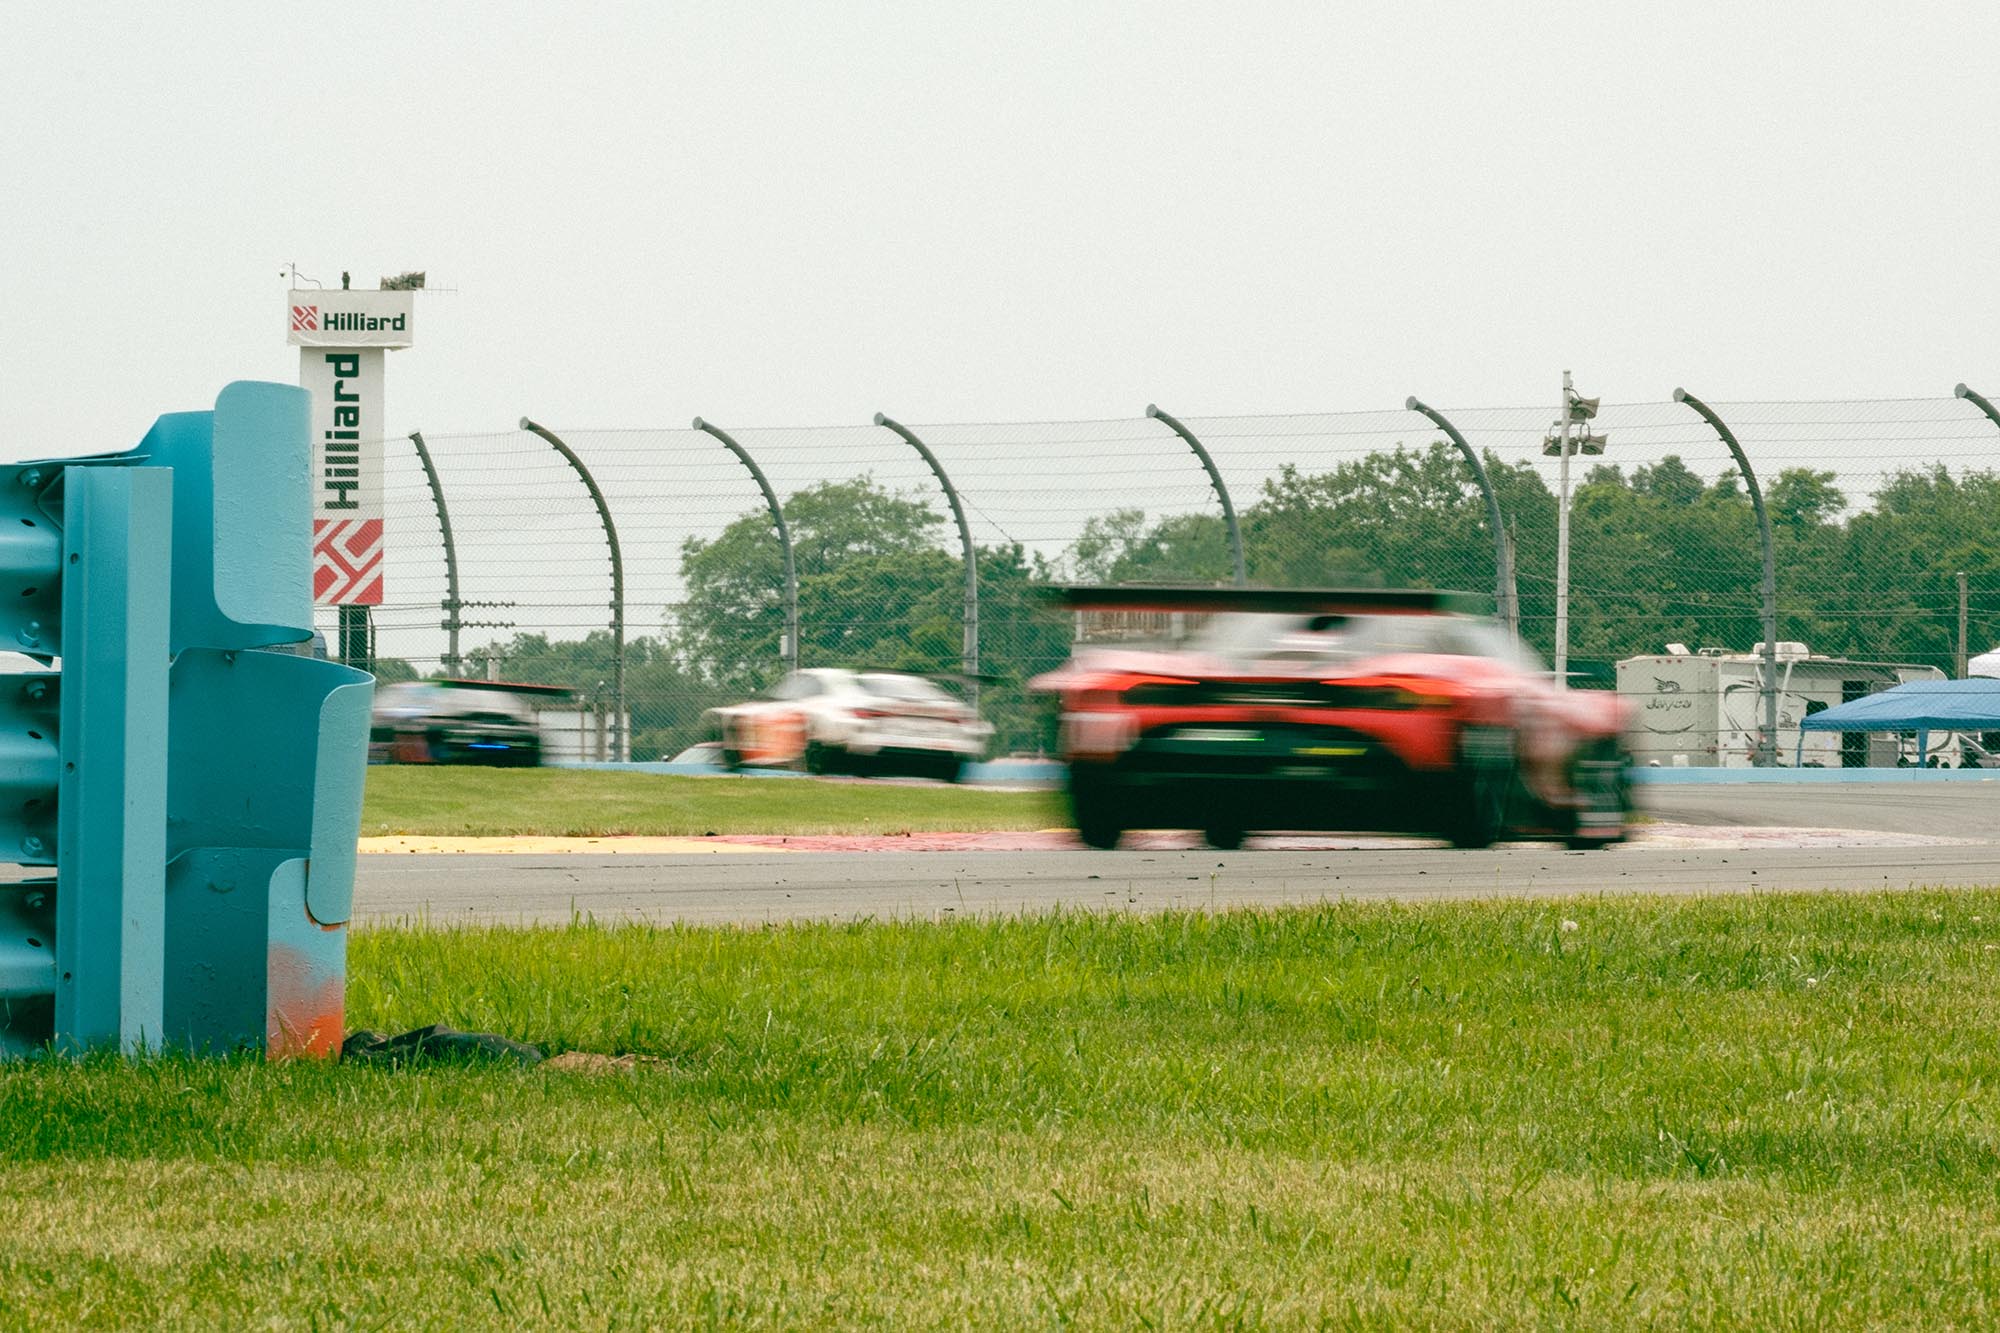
[1922, 706]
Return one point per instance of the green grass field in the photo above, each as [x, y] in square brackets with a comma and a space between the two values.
[1724, 1113]
[557, 802]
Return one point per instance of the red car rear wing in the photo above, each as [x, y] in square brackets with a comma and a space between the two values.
[1291, 601]
[500, 686]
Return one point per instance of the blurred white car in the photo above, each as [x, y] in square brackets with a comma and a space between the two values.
[828, 720]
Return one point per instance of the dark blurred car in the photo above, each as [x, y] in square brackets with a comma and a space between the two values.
[1378, 711]
[453, 722]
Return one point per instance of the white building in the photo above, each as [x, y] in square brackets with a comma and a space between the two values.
[1705, 709]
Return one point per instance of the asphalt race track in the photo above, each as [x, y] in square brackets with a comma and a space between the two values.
[1947, 810]
[1952, 832]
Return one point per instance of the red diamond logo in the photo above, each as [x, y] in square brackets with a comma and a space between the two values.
[347, 561]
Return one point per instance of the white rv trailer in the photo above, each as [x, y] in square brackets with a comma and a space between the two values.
[1705, 709]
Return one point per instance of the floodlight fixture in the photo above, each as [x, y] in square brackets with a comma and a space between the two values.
[1552, 445]
[1582, 409]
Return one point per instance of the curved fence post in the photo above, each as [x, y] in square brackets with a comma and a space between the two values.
[970, 654]
[453, 606]
[1503, 557]
[1215, 480]
[789, 650]
[1978, 401]
[620, 742]
[1767, 744]
[1993, 415]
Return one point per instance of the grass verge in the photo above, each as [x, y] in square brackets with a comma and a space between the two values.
[558, 802]
[1728, 1113]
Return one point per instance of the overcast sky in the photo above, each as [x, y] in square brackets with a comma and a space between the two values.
[806, 213]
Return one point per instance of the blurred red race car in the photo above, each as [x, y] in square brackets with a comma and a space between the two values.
[1330, 710]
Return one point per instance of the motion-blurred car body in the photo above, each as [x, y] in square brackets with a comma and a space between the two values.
[829, 720]
[1375, 711]
[453, 722]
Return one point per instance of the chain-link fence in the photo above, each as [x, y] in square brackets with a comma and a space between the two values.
[1874, 509]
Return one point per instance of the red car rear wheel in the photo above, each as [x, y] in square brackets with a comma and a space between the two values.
[1480, 796]
[1097, 807]
[1598, 777]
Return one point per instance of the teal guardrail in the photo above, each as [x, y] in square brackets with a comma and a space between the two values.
[195, 786]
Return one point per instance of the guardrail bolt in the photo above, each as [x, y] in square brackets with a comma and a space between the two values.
[33, 845]
[31, 478]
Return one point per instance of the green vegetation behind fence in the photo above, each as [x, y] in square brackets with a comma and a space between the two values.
[1876, 507]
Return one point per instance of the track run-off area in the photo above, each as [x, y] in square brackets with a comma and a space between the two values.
[1695, 839]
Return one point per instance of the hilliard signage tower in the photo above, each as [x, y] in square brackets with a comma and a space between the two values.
[341, 336]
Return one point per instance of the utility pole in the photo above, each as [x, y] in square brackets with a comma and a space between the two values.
[1513, 580]
[1562, 545]
[1961, 625]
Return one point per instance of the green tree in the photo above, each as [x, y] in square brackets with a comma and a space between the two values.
[664, 701]
[1664, 558]
[1802, 500]
[1022, 634]
[1670, 481]
[1120, 547]
[731, 625]
[1894, 591]
[1806, 526]
[1406, 518]
[875, 590]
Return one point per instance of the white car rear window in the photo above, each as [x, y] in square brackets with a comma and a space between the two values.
[891, 686]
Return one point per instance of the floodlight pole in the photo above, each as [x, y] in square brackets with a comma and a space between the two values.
[790, 648]
[1503, 572]
[1562, 544]
[1767, 744]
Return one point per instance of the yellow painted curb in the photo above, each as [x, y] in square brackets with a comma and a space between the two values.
[638, 846]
